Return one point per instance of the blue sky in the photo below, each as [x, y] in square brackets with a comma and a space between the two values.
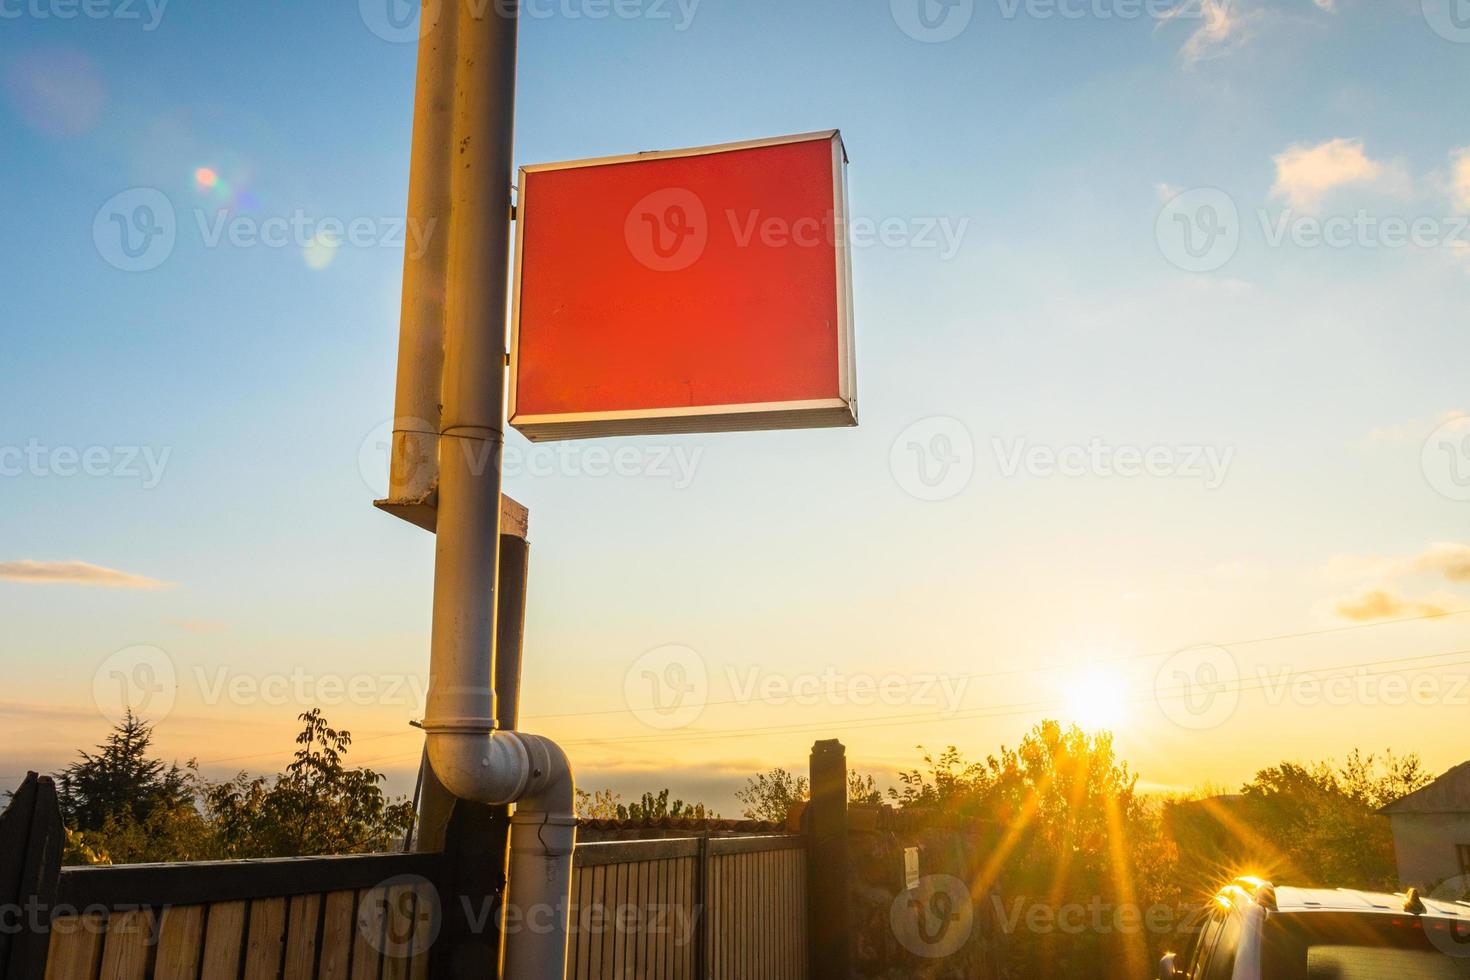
[1048, 148]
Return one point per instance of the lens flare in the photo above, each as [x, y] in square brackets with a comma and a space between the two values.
[205, 178]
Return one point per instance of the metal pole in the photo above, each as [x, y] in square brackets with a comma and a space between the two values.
[510, 629]
[421, 324]
[472, 416]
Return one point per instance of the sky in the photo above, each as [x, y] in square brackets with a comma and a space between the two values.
[1161, 340]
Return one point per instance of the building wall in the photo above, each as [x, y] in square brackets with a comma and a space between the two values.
[1426, 846]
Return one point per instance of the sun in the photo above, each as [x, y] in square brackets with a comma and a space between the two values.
[1097, 699]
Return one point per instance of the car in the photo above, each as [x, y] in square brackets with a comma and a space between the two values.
[1254, 930]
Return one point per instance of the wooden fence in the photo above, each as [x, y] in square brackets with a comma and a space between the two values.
[638, 910]
[683, 909]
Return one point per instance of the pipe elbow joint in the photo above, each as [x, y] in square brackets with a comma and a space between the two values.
[501, 767]
[487, 767]
[551, 788]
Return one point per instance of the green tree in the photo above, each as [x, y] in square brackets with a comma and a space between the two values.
[600, 804]
[121, 806]
[1058, 823]
[317, 806]
[771, 795]
[120, 783]
[1321, 818]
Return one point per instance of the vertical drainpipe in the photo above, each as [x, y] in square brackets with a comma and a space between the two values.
[468, 755]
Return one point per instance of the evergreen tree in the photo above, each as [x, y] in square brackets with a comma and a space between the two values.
[120, 783]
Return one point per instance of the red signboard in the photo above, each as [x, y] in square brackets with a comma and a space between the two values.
[703, 290]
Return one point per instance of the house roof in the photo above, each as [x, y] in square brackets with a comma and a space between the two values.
[1449, 793]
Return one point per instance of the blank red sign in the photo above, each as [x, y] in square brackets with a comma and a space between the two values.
[689, 291]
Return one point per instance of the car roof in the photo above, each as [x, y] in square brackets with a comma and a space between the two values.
[1290, 899]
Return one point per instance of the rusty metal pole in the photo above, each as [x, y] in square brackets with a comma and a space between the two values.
[415, 456]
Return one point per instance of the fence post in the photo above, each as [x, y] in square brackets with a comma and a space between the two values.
[827, 862]
[703, 924]
[31, 840]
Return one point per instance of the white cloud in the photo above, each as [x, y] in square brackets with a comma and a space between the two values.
[1449, 560]
[1414, 432]
[1306, 174]
[1224, 27]
[1460, 177]
[1377, 604]
[74, 573]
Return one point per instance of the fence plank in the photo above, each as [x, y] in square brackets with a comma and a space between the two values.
[640, 918]
[626, 925]
[224, 938]
[266, 939]
[607, 884]
[76, 947]
[15, 832]
[31, 873]
[301, 936]
[367, 959]
[337, 935]
[125, 951]
[398, 946]
[665, 898]
[428, 921]
[690, 896]
[581, 945]
[179, 943]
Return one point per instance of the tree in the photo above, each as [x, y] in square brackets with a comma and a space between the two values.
[1058, 823]
[770, 795]
[121, 806]
[862, 789]
[120, 783]
[659, 807]
[317, 806]
[601, 804]
[1322, 818]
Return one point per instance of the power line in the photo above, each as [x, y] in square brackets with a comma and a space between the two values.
[975, 675]
[1005, 710]
[261, 755]
[863, 723]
